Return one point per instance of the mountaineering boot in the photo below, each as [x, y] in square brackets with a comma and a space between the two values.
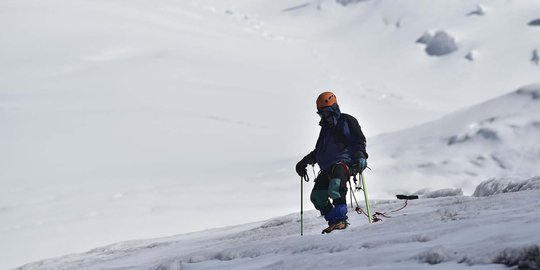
[339, 225]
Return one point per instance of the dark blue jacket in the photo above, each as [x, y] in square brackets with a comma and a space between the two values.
[342, 142]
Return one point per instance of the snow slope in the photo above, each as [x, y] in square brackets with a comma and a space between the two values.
[136, 119]
[115, 113]
[458, 232]
[496, 138]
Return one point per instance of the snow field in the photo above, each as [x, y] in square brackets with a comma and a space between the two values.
[98, 143]
[458, 232]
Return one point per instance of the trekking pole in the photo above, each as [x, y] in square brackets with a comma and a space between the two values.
[351, 194]
[302, 179]
[301, 206]
[366, 197]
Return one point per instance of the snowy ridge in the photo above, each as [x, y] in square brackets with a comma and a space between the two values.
[457, 232]
[505, 185]
[495, 138]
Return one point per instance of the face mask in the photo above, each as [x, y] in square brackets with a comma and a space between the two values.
[327, 119]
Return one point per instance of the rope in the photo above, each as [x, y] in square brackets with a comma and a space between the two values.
[391, 211]
[377, 215]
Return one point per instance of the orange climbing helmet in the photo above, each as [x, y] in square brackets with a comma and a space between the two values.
[326, 99]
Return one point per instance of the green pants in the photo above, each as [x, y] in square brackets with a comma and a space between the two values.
[331, 184]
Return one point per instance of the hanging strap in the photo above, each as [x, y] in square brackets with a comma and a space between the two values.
[358, 209]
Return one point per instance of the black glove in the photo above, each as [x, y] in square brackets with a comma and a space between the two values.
[359, 166]
[301, 168]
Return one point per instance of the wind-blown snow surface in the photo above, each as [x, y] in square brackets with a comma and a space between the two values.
[496, 138]
[132, 119]
[459, 232]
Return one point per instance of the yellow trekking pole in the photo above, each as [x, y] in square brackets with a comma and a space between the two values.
[366, 197]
